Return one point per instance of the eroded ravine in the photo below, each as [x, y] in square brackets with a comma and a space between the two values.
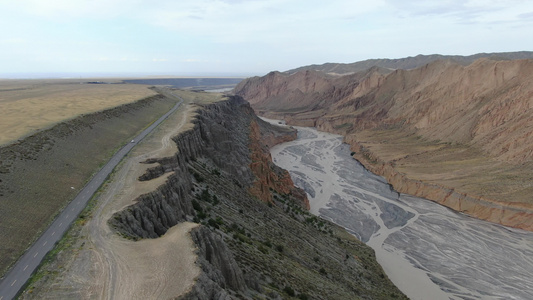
[426, 249]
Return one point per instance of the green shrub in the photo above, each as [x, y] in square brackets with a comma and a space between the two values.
[287, 289]
[205, 196]
[196, 206]
[262, 249]
[213, 223]
[198, 177]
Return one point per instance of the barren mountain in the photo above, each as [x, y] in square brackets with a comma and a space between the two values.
[411, 62]
[460, 135]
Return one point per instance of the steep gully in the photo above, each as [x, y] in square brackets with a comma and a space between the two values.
[426, 249]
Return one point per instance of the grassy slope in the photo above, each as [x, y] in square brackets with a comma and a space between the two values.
[287, 249]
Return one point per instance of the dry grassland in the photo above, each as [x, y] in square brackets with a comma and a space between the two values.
[463, 168]
[41, 173]
[28, 106]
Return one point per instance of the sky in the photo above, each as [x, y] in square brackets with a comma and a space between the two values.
[245, 38]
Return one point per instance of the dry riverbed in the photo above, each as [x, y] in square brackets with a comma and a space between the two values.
[427, 250]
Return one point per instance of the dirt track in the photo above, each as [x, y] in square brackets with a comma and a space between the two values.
[108, 266]
[156, 261]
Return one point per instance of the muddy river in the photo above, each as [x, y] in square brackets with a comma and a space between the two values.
[428, 251]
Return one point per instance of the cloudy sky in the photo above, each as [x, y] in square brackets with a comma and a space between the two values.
[247, 37]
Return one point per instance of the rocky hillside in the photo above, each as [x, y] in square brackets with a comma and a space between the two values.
[407, 63]
[464, 131]
[257, 238]
[307, 92]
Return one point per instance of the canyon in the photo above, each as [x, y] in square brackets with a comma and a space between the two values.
[460, 135]
[257, 238]
[210, 215]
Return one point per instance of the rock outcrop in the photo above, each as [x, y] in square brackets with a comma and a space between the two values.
[220, 271]
[233, 144]
[484, 108]
[270, 177]
[257, 238]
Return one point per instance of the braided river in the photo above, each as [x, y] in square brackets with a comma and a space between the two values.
[427, 250]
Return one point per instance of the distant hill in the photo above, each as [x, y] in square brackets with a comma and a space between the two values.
[409, 62]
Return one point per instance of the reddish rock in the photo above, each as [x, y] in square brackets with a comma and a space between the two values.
[486, 106]
[268, 176]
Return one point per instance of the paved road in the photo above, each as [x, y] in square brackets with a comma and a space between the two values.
[28, 263]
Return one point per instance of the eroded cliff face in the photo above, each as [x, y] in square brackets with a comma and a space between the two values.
[513, 214]
[231, 136]
[487, 104]
[257, 238]
[270, 177]
[304, 92]
[485, 107]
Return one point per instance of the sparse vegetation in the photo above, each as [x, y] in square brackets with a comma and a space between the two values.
[289, 291]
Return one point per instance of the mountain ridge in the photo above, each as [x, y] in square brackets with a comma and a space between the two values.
[411, 62]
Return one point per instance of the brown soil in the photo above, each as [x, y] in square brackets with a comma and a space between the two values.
[452, 165]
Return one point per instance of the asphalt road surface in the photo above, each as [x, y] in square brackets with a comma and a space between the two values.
[28, 263]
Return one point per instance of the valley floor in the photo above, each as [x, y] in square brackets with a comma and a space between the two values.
[445, 254]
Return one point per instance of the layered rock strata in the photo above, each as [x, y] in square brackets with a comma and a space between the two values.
[257, 238]
[518, 215]
[485, 108]
[233, 144]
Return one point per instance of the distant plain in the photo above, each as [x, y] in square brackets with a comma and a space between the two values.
[28, 106]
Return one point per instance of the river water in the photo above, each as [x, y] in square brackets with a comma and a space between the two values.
[427, 250]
